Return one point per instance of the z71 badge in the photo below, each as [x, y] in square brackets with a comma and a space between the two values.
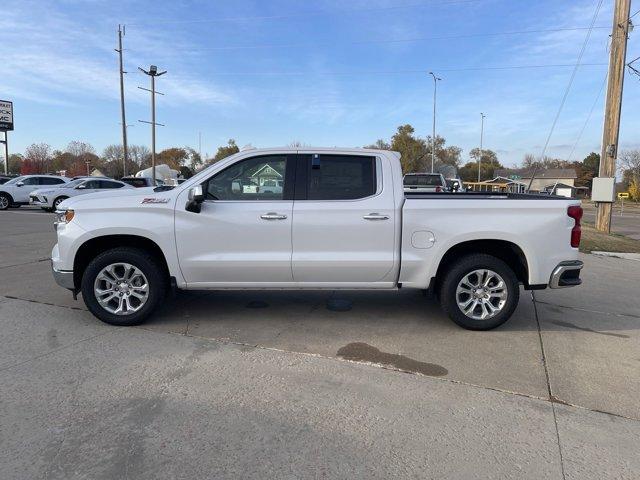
[155, 200]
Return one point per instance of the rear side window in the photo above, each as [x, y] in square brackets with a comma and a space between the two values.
[341, 177]
[136, 182]
[108, 184]
[50, 181]
[423, 180]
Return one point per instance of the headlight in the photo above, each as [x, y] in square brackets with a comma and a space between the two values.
[64, 216]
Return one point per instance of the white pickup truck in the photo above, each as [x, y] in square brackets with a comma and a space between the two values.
[341, 221]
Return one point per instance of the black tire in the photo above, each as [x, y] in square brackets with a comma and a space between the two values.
[58, 201]
[47, 209]
[461, 268]
[5, 201]
[147, 264]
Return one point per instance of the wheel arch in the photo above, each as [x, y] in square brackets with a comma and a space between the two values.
[7, 194]
[95, 246]
[507, 251]
[55, 198]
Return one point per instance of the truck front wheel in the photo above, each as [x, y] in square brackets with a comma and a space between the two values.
[123, 286]
[479, 292]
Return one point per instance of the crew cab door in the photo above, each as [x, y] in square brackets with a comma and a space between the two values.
[344, 221]
[242, 235]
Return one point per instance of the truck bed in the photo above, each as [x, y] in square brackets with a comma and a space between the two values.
[482, 196]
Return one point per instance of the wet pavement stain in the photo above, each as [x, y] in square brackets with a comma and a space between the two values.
[366, 353]
[257, 304]
[339, 305]
[560, 323]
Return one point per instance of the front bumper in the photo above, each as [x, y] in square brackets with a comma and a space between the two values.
[566, 274]
[36, 200]
[63, 278]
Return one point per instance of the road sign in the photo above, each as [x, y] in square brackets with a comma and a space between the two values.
[622, 195]
[6, 115]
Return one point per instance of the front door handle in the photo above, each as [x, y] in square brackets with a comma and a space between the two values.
[376, 216]
[273, 216]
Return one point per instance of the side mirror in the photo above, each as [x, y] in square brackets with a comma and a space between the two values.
[80, 187]
[20, 184]
[195, 197]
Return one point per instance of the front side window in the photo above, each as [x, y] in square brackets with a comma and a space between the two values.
[31, 181]
[341, 177]
[259, 178]
[91, 184]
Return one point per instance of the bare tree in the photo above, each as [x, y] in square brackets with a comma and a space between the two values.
[629, 163]
[36, 158]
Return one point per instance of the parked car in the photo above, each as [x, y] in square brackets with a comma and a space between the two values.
[424, 182]
[455, 185]
[50, 199]
[16, 191]
[5, 178]
[142, 182]
[342, 221]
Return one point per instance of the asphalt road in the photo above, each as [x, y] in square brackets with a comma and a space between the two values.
[282, 384]
[625, 221]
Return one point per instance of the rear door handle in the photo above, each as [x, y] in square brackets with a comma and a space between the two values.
[273, 216]
[376, 216]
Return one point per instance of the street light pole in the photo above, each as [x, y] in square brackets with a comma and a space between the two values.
[125, 148]
[482, 116]
[433, 133]
[153, 73]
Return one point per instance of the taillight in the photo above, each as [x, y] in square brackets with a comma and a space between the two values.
[575, 212]
[438, 189]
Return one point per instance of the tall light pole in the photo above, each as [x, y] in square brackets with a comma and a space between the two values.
[433, 133]
[482, 117]
[125, 148]
[153, 73]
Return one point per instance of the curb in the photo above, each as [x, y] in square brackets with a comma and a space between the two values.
[626, 256]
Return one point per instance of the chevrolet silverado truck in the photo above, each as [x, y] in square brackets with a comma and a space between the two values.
[341, 220]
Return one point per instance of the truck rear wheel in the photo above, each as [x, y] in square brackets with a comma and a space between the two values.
[123, 286]
[479, 292]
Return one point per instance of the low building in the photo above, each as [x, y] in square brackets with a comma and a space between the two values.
[543, 177]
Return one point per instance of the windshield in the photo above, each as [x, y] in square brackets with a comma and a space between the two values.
[73, 183]
[426, 180]
[14, 180]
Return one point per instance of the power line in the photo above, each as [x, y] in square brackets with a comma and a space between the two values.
[637, 12]
[566, 91]
[405, 71]
[586, 121]
[298, 15]
[391, 41]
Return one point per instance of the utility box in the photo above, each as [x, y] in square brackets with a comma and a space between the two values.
[603, 189]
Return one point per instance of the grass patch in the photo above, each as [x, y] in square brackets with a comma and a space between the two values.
[595, 241]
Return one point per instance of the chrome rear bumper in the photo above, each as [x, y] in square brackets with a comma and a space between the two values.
[566, 274]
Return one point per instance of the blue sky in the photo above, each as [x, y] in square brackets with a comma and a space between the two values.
[322, 73]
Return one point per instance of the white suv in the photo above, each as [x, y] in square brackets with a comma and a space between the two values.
[49, 198]
[16, 191]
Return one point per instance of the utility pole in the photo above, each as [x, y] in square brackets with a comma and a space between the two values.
[433, 133]
[613, 105]
[200, 145]
[153, 73]
[482, 117]
[125, 150]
